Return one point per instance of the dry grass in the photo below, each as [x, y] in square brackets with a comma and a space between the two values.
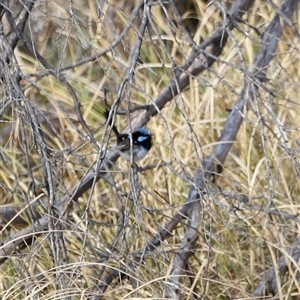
[237, 243]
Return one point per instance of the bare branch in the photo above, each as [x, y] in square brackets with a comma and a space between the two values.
[220, 152]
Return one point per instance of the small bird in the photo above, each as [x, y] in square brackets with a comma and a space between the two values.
[141, 142]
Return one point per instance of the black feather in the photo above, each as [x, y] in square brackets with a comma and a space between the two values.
[110, 123]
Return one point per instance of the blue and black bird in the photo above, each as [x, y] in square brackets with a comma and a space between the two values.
[141, 142]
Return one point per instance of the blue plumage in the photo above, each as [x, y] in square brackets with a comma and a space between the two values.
[141, 144]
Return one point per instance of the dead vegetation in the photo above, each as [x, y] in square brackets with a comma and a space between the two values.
[212, 213]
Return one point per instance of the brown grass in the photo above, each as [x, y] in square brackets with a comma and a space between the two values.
[238, 243]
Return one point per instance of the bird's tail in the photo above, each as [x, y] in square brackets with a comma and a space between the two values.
[110, 122]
